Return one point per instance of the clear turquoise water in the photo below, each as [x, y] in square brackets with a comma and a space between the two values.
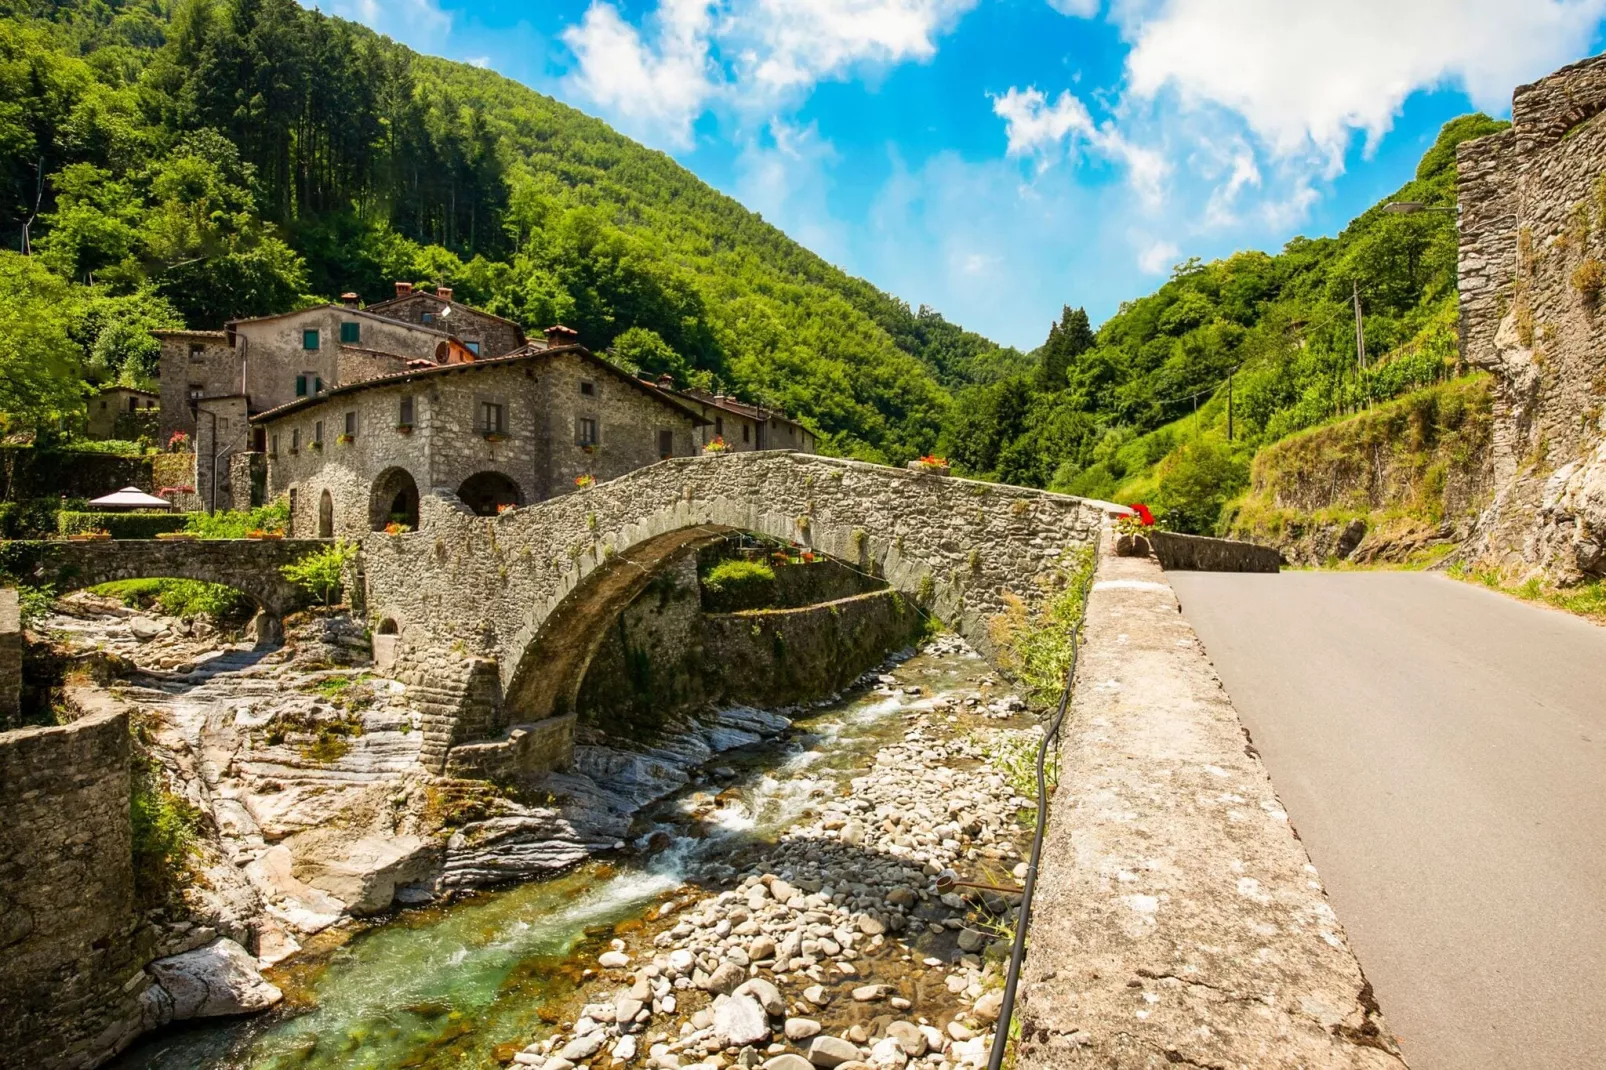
[443, 987]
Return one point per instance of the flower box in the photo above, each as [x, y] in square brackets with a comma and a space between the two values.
[346, 440]
[404, 429]
[585, 481]
[177, 536]
[495, 436]
[934, 465]
[90, 536]
[395, 528]
[264, 536]
[316, 445]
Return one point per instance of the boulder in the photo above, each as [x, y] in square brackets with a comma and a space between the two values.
[767, 995]
[741, 1021]
[583, 1047]
[363, 873]
[801, 1028]
[828, 1052]
[726, 978]
[788, 1062]
[220, 978]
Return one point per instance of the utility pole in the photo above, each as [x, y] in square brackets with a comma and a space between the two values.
[1360, 339]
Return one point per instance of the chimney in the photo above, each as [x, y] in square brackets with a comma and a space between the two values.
[443, 292]
[349, 299]
[559, 335]
[403, 289]
[666, 382]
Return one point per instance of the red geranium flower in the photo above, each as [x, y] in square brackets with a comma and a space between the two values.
[1144, 515]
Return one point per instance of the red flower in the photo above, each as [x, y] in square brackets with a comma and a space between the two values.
[1146, 517]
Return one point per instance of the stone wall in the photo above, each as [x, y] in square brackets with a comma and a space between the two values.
[71, 950]
[770, 657]
[496, 336]
[10, 658]
[445, 445]
[193, 362]
[537, 588]
[1532, 267]
[1195, 553]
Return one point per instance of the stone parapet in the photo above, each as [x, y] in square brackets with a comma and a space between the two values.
[10, 658]
[1195, 553]
[1178, 919]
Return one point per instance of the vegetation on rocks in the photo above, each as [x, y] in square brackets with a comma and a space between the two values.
[236, 524]
[1037, 641]
[734, 584]
[164, 828]
[322, 573]
[178, 598]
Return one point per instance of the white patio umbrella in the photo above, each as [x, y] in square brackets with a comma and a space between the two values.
[131, 498]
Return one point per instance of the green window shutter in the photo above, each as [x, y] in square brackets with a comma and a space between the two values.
[351, 333]
[301, 386]
[309, 339]
[317, 385]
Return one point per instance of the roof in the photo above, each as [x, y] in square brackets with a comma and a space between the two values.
[128, 390]
[343, 310]
[190, 334]
[451, 304]
[526, 355]
[740, 408]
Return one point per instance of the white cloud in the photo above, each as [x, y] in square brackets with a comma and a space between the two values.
[1158, 257]
[1034, 127]
[788, 180]
[1080, 9]
[786, 45]
[483, 62]
[1306, 75]
[418, 23]
[655, 91]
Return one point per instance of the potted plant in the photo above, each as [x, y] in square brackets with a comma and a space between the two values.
[404, 429]
[587, 480]
[495, 436]
[264, 534]
[179, 442]
[718, 445]
[345, 439]
[92, 535]
[316, 444]
[177, 536]
[930, 463]
[395, 527]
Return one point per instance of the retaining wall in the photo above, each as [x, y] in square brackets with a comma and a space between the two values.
[10, 658]
[1195, 553]
[1178, 919]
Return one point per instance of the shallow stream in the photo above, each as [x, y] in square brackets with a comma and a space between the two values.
[468, 983]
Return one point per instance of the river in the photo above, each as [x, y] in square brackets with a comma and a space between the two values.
[468, 983]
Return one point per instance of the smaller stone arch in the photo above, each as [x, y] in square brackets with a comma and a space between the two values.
[489, 492]
[394, 500]
[326, 515]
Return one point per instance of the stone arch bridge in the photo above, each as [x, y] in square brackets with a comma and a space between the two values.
[250, 566]
[497, 618]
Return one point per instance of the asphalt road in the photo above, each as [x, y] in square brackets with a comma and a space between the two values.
[1441, 750]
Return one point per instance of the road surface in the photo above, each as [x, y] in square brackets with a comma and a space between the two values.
[1441, 750]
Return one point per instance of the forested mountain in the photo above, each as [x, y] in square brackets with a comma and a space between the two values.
[191, 161]
[1285, 322]
[169, 162]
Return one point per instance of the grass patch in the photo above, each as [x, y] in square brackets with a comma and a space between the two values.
[315, 739]
[1036, 642]
[1014, 754]
[734, 584]
[1586, 600]
[164, 828]
[177, 598]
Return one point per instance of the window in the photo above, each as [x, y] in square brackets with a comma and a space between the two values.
[102, 406]
[317, 385]
[666, 443]
[351, 423]
[490, 418]
[428, 317]
[317, 432]
[588, 389]
[197, 351]
[719, 425]
[295, 439]
[197, 391]
[587, 431]
[301, 386]
[350, 332]
[309, 338]
[472, 347]
[273, 445]
[405, 417]
[747, 432]
[133, 404]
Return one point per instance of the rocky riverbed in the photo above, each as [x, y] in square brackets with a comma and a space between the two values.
[773, 895]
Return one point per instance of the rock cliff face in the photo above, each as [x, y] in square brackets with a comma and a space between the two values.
[1532, 277]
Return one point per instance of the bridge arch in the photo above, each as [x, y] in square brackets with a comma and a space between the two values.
[393, 498]
[488, 492]
[506, 612]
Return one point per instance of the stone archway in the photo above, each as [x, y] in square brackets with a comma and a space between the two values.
[326, 516]
[393, 500]
[489, 493]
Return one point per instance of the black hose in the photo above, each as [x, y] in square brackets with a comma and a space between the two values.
[1017, 955]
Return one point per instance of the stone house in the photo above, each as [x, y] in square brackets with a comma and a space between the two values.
[482, 333]
[501, 432]
[121, 412]
[740, 425]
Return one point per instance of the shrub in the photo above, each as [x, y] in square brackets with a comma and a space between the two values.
[163, 826]
[121, 525]
[1195, 482]
[1589, 278]
[177, 598]
[735, 585]
[34, 602]
[322, 573]
[233, 524]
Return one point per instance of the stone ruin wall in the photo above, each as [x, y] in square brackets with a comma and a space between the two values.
[1533, 223]
[72, 950]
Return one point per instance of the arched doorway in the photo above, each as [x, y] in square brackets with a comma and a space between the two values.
[394, 500]
[326, 516]
[488, 493]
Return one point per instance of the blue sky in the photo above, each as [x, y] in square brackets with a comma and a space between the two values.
[996, 159]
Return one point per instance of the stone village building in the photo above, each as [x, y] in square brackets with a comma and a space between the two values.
[121, 412]
[740, 425]
[213, 382]
[500, 432]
